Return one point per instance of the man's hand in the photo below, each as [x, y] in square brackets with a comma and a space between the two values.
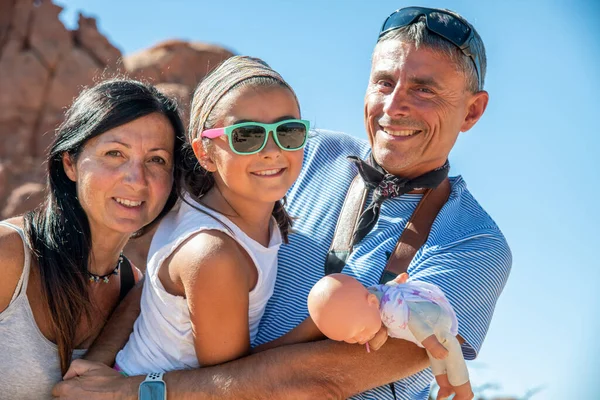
[379, 339]
[93, 380]
[402, 278]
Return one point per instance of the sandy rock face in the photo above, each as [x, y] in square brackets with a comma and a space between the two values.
[25, 197]
[88, 37]
[175, 61]
[176, 67]
[43, 67]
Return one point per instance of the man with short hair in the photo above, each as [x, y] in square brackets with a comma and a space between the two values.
[426, 86]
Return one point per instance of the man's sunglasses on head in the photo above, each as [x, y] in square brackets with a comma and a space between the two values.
[450, 27]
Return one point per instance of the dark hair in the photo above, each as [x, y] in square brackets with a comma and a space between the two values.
[234, 73]
[58, 231]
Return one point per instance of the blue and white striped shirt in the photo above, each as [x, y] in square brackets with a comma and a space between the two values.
[466, 255]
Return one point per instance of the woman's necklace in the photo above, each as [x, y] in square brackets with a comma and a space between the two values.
[105, 278]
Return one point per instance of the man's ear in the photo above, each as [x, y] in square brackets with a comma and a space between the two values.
[477, 105]
[202, 155]
[69, 166]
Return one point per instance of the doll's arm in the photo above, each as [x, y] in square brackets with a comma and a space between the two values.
[307, 331]
[451, 373]
[423, 331]
[455, 364]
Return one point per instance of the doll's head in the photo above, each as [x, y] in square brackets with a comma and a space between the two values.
[343, 309]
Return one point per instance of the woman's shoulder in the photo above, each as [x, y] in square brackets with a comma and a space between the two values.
[12, 253]
[12, 259]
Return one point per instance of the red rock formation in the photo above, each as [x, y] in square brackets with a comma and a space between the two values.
[26, 196]
[43, 66]
[175, 61]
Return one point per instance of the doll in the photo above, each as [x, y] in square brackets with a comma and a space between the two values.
[343, 309]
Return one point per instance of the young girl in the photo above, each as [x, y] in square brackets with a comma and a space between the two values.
[213, 261]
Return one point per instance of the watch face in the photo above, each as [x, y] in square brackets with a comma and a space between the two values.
[152, 391]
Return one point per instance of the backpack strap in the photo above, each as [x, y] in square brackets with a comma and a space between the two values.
[127, 278]
[341, 245]
[416, 231]
[413, 236]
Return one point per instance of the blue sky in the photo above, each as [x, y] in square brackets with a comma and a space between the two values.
[530, 161]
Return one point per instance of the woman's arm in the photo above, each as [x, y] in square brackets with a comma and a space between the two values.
[116, 332]
[12, 258]
[215, 274]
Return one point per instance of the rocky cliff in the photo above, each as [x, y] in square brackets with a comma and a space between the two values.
[43, 66]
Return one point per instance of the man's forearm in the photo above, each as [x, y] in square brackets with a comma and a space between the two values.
[116, 332]
[324, 370]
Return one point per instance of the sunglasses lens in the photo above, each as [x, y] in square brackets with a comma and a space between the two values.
[291, 135]
[248, 139]
[448, 27]
[401, 18]
[445, 25]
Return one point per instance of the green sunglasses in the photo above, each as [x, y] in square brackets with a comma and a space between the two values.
[251, 137]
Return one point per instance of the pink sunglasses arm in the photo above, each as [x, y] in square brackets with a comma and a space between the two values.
[213, 133]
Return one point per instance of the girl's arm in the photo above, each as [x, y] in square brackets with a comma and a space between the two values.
[216, 276]
[306, 331]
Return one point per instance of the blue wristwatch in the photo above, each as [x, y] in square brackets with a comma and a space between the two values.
[153, 387]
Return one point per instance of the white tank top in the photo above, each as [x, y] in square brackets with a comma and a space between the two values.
[162, 337]
[29, 364]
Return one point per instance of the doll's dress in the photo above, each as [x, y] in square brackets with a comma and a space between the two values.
[398, 301]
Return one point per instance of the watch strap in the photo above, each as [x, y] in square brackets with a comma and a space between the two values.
[154, 376]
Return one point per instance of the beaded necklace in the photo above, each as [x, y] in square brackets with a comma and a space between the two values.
[105, 278]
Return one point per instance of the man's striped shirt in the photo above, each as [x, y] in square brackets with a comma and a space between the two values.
[466, 255]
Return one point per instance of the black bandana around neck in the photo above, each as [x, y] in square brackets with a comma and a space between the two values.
[387, 186]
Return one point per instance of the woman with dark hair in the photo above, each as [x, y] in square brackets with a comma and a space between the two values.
[110, 175]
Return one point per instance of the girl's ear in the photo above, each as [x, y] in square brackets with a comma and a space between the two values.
[202, 155]
[69, 166]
